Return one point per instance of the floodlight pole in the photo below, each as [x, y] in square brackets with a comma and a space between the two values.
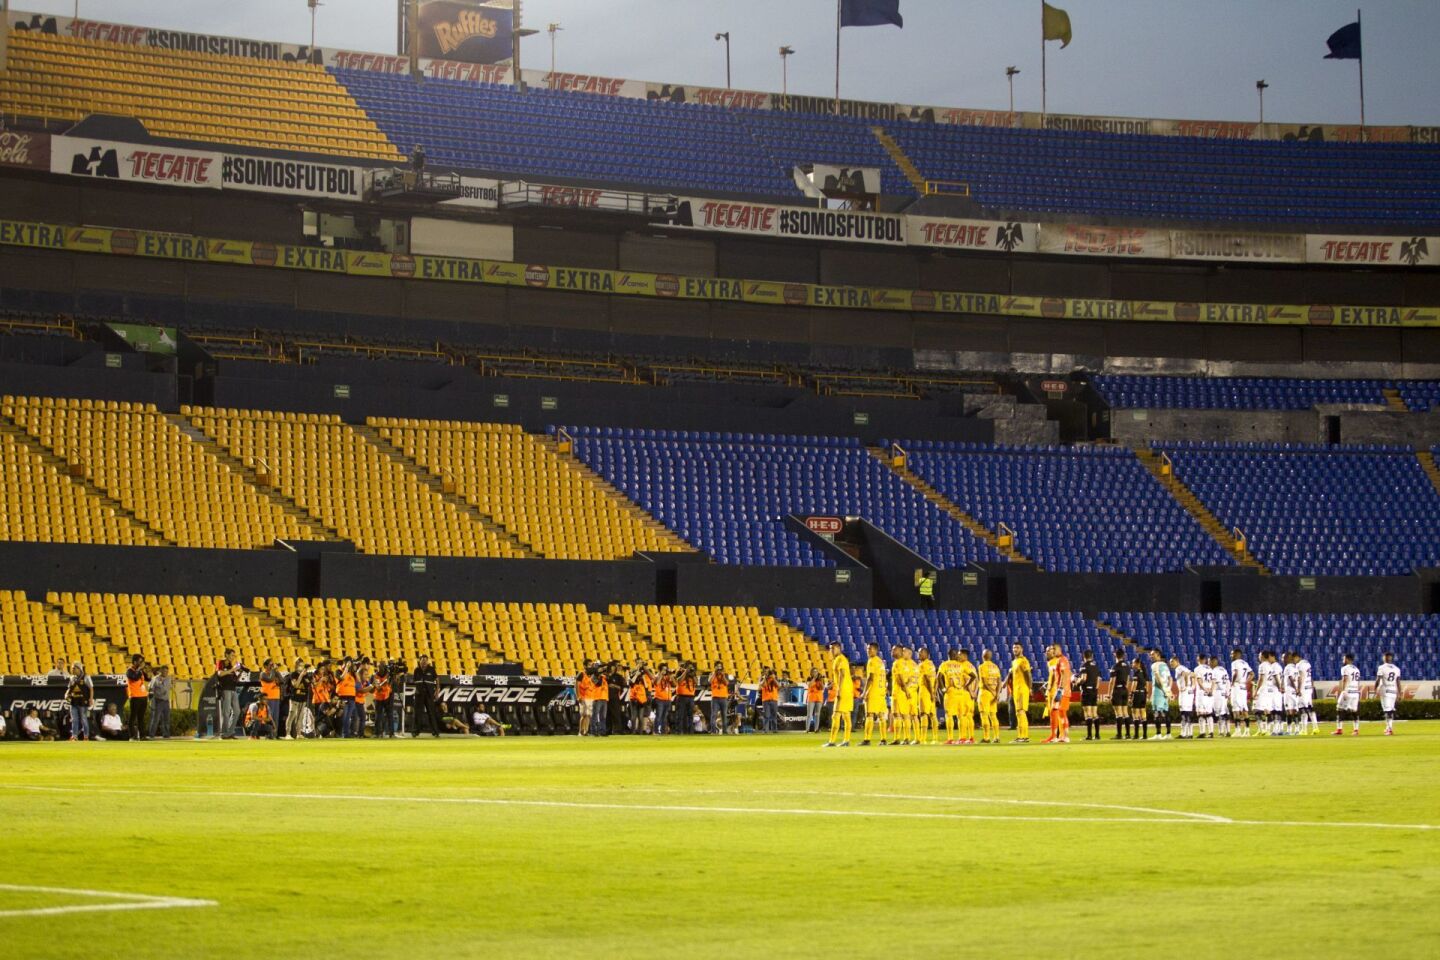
[1260, 87]
[725, 35]
[785, 53]
[1010, 73]
[553, 29]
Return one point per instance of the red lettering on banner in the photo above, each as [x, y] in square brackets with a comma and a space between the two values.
[569, 197]
[978, 118]
[1358, 251]
[583, 83]
[956, 234]
[1105, 241]
[109, 32]
[1214, 129]
[468, 72]
[738, 216]
[742, 99]
[377, 62]
[180, 168]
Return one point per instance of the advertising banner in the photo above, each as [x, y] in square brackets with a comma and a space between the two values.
[298, 178]
[46, 693]
[846, 180]
[476, 192]
[132, 163]
[1380, 251]
[107, 240]
[482, 690]
[24, 149]
[158, 39]
[1104, 241]
[466, 32]
[999, 236]
[1230, 245]
[768, 220]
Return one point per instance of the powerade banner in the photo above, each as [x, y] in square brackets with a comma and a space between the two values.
[134, 163]
[767, 220]
[537, 276]
[482, 690]
[300, 178]
[46, 693]
[464, 32]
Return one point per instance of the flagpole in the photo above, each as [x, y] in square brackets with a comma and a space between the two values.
[1042, 62]
[1362, 74]
[837, 55]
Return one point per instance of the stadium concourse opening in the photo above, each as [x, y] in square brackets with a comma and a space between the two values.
[479, 489]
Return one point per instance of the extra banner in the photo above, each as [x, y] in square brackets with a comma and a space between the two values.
[535, 276]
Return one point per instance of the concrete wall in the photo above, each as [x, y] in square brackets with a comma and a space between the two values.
[1260, 426]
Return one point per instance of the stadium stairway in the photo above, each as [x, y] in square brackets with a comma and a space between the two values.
[256, 478]
[263, 615]
[1427, 463]
[37, 635]
[1004, 546]
[1394, 401]
[1183, 495]
[445, 492]
[902, 160]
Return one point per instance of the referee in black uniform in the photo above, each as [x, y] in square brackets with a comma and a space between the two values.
[1089, 678]
[425, 682]
[1139, 702]
[1120, 694]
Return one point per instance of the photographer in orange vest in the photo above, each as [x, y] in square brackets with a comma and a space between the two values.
[719, 700]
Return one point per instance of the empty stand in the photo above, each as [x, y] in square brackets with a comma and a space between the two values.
[1072, 508]
[729, 493]
[1323, 639]
[554, 505]
[187, 633]
[202, 97]
[166, 480]
[548, 639]
[1360, 511]
[378, 629]
[1241, 393]
[34, 638]
[350, 485]
[741, 638]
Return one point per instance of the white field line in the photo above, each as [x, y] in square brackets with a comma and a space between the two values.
[130, 901]
[1166, 816]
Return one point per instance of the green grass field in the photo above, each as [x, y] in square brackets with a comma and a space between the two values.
[737, 846]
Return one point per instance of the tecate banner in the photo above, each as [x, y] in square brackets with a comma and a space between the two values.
[767, 220]
[1381, 251]
[300, 178]
[998, 236]
[134, 163]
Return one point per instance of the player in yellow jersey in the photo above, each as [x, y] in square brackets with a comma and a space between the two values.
[927, 722]
[844, 686]
[874, 693]
[989, 699]
[969, 687]
[902, 705]
[951, 688]
[1019, 681]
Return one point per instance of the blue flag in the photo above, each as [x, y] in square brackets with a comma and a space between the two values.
[1344, 43]
[870, 13]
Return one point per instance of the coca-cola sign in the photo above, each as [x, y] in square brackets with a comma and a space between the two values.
[24, 149]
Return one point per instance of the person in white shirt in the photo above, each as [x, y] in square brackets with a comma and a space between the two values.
[1220, 697]
[1290, 678]
[1240, 674]
[1185, 683]
[1204, 699]
[112, 727]
[32, 729]
[1387, 689]
[1347, 696]
[1307, 695]
[1269, 697]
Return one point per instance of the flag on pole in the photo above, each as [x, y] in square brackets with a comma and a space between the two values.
[1055, 24]
[1344, 43]
[870, 13]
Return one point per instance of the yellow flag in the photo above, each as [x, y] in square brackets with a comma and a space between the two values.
[1055, 23]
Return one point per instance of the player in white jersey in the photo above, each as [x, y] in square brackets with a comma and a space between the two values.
[1307, 695]
[1269, 697]
[1290, 687]
[1204, 699]
[1387, 689]
[1220, 698]
[1240, 674]
[1347, 696]
[1185, 683]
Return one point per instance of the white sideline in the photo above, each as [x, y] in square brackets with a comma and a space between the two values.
[1163, 816]
[134, 901]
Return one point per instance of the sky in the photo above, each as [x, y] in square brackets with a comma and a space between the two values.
[1197, 59]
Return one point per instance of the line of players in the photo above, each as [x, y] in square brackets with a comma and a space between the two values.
[1211, 698]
